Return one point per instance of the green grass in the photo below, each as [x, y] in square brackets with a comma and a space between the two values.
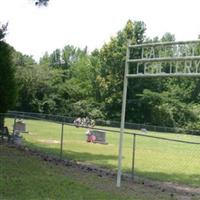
[26, 177]
[155, 159]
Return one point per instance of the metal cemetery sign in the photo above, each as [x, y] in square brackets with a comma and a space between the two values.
[165, 59]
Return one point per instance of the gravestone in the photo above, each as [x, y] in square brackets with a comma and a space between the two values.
[19, 126]
[100, 136]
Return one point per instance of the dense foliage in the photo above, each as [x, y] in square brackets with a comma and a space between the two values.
[41, 2]
[73, 82]
[7, 73]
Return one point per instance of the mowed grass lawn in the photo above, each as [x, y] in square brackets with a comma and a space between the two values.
[23, 176]
[26, 176]
[155, 159]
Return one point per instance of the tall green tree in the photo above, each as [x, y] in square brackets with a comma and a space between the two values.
[45, 59]
[112, 59]
[7, 79]
[55, 58]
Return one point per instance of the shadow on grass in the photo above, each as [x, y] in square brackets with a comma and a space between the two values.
[93, 157]
[106, 160]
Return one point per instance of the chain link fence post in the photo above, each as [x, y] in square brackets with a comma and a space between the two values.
[133, 156]
[14, 126]
[61, 140]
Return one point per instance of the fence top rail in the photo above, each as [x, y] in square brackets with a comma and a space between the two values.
[164, 43]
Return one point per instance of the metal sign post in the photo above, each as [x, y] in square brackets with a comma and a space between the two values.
[61, 140]
[123, 118]
[167, 59]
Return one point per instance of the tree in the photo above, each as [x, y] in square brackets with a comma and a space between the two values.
[7, 75]
[3, 30]
[41, 2]
[20, 59]
[45, 59]
[68, 55]
[112, 60]
[7, 80]
[37, 87]
[55, 58]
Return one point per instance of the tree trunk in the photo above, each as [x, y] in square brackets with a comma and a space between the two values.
[2, 121]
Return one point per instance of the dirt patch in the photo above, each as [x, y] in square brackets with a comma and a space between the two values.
[49, 141]
[174, 188]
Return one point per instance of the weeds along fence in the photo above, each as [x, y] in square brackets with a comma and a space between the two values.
[168, 157]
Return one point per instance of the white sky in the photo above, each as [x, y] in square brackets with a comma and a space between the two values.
[35, 30]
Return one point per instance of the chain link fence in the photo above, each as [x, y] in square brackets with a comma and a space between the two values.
[171, 157]
[109, 123]
[166, 157]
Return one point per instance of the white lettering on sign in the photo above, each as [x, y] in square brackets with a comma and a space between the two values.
[171, 58]
[183, 67]
[197, 66]
[188, 66]
[169, 51]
